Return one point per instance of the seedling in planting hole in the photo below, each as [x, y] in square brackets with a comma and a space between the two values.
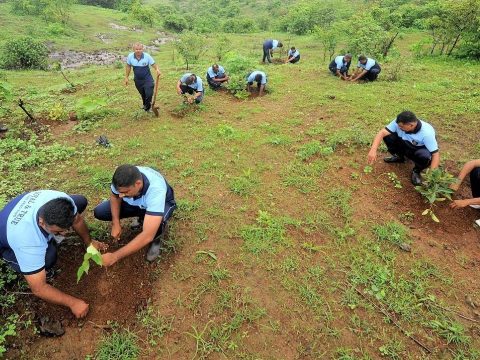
[435, 188]
[92, 253]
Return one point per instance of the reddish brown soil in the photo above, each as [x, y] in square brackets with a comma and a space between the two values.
[114, 295]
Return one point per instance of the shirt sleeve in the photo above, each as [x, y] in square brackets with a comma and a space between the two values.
[211, 73]
[264, 79]
[155, 200]
[150, 60]
[114, 191]
[431, 143]
[183, 79]
[31, 260]
[392, 127]
[250, 78]
[199, 84]
[129, 60]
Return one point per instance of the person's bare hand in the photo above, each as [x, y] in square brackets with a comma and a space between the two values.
[116, 231]
[108, 259]
[79, 308]
[372, 157]
[458, 204]
[126, 81]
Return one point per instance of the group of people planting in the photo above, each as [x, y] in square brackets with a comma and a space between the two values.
[33, 224]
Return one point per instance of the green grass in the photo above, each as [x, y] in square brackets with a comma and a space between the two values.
[273, 236]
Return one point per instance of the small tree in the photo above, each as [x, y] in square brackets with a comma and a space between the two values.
[191, 46]
[329, 39]
[222, 45]
[142, 13]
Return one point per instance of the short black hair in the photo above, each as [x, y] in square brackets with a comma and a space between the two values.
[126, 175]
[191, 79]
[258, 77]
[362, 58]
[292, 48]
[280, 44]
[406, 117]
[59, 212]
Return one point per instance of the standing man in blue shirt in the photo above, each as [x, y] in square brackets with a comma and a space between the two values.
[191, 84]
[268, 47]
[260, 78]
[216, 76]
[340, 66]
[140, 61]
[30, 227]
[408, 137]
[293, 56]
[140, 192]
[369, 69]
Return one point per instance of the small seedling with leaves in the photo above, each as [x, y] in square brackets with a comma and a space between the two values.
[435, 188]
[394, 179]
[93, 254]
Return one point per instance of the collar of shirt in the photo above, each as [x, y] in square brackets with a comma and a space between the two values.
[146, 185]
[141, 57]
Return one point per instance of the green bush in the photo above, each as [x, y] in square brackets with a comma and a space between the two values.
[175, 23]
[24, 53]
[239, 26]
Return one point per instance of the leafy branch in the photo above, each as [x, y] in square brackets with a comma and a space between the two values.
[435, 188]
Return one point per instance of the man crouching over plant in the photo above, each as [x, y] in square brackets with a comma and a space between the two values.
[143, 193]
[31, 226]
[408, 137]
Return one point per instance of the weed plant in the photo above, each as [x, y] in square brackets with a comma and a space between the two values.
[119, 345]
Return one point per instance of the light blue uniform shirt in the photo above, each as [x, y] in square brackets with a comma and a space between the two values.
[368, 65]
[20, 230]
[424, 137]
[274, 44]
[293, 53]
[197, 85]
[251, 77]
[340, 61]
[212, 74]
[154, 192]
[141, 70]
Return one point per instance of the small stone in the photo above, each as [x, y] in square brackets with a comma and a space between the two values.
[405, 247]
[469, 301]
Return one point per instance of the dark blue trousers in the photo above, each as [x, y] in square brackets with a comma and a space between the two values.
[103, 212]
[51, 253]
[145, 88]
[418, 154]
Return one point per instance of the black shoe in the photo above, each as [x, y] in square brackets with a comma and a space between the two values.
[154, 249]
[416, 178]
[394, 159]
[3, 128]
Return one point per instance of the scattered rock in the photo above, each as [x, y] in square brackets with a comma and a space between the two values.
[470, 302]
[73, 59]
[118, 27]
[405, 247]
[104, 37]
[50, 327]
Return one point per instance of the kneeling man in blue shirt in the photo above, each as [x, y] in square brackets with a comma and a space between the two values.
[191, 84]
[140, 192]
[408, 137]
[260, 78]
[30, 227]
[216, 76]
